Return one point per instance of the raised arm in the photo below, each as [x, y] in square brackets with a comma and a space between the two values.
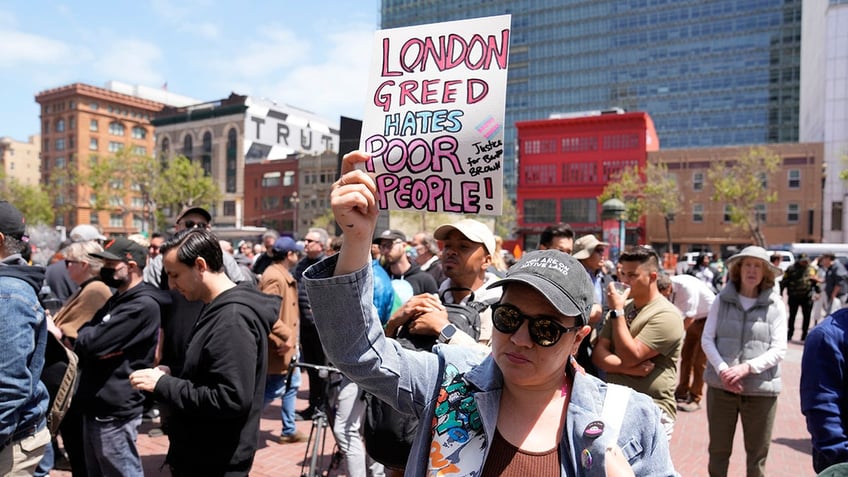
[354, 204]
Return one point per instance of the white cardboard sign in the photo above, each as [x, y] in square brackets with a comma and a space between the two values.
[434, 118]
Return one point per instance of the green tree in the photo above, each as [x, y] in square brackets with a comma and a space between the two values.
[654, 192]
[33, 201]
[626, 186]
[179, 184]
[743, 185]
[184, 183]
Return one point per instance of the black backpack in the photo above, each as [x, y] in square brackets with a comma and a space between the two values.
[388, 432]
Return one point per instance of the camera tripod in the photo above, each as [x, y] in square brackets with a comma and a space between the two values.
[321, 423]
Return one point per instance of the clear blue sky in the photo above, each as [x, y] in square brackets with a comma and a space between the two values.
[312, 54]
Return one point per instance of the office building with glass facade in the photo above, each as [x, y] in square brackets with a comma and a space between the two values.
[709, 73]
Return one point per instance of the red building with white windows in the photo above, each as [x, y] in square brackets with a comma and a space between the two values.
[565, 163]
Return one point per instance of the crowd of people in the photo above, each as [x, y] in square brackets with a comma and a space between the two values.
[438, 372]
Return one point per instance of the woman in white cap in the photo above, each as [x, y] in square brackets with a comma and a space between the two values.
[526, 408]
[745, 341]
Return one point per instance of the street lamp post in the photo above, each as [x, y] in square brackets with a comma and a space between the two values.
[295, 201]
[614, 209]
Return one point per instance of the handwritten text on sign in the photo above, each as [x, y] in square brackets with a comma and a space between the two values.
[433, 126]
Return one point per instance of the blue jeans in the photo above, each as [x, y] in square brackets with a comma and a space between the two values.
[110, 446]
[47, 461]
[275, 386]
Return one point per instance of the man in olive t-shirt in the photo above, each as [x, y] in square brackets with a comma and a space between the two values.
[639, 345]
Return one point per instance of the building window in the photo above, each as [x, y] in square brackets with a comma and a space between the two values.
[92, 125]
[137, 203]
[698, 181]
[60, 144]
[116, 201]
[763, 180]
[60, 162]
[579, 210]
[93, 218]
[46, 127]
[698, 213]
[139, 132]
[116, 128]
[793, 213]
[270, 203]
[137, 222]
[187, 146]
[232, 145]
[760, 210]
[836, 216]
[92, 144]
[229, 208]
[60, 125]
[140, 150]
[726, 217]
[794, 176]
[206, 156]
[115, 146]
[271, 179]
[116, 220]
[92, 106]
[538, 211]
[72, 124]
[288, 178]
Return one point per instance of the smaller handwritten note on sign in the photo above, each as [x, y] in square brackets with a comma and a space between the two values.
[434, 121]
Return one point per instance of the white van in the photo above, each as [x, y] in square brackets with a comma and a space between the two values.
[787, 258]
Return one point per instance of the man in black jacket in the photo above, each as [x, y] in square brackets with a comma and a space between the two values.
[120, 338]
[216, 401]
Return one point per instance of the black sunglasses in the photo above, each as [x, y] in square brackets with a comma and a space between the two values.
[190, 224]
[543, 331]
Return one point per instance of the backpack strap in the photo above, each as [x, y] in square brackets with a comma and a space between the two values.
[67, 388]
[615, 404]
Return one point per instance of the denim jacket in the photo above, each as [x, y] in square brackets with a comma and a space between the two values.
[23, 335]
[460, 396]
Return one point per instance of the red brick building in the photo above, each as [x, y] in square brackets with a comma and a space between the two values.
[564, 165]
[79, 122]
[271, 194]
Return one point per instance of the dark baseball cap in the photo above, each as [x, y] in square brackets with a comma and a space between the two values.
[390, 235]
[124, 250]
[12, 222]
[194, 210]
[559, 277]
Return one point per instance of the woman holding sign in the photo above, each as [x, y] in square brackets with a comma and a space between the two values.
[557, 420]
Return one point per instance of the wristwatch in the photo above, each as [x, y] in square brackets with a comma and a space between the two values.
[613, 314]
[447, 333]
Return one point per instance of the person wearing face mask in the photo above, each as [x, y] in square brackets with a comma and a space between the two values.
[120, 338]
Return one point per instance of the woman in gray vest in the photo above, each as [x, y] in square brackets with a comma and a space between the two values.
[745, 341]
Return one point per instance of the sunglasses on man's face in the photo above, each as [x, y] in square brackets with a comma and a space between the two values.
[190, 224]
[543, 331]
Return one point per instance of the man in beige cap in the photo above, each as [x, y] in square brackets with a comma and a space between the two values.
[589, 251]
[466, 257]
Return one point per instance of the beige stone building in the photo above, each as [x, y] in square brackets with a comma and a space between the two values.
[20, 160]
[703, 224]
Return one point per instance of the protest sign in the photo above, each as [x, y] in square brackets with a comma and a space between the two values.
[434, 117]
